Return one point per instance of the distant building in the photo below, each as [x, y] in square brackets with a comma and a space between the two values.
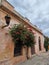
[6, 43]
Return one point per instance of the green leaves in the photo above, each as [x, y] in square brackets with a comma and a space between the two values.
[46, 42]
[21, 34]
[30, 39]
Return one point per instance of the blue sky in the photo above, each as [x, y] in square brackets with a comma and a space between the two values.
[35, 10]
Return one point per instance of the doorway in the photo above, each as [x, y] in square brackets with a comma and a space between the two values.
[33, 49]
[39, 44]
[17, 49]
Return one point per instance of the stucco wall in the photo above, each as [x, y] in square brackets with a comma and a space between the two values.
[37, 43]
[37, 35]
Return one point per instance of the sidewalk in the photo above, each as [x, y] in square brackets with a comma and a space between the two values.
[41, 59]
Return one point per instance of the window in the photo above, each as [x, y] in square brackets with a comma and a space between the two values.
[17, 50]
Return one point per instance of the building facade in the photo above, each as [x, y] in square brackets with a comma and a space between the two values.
[6, 43]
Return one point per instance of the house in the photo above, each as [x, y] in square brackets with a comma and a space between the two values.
[6, 43]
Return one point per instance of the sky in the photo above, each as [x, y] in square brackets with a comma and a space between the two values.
[37, 11]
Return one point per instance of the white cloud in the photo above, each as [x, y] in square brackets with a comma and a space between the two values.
[46, 30]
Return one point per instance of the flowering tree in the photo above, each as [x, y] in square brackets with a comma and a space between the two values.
[22, 35]
[46, 43]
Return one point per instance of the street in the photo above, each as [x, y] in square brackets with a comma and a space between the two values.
[40, 59]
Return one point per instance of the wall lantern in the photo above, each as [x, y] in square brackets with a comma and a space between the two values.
[7, 19]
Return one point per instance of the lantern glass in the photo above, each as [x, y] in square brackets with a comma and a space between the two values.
[7, 18]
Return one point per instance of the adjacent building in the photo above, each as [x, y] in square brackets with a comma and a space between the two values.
[6, 43]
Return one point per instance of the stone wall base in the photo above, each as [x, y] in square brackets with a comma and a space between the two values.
[13, 60]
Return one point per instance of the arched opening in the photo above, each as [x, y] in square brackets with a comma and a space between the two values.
[39, 44]
[33, 49]
[33, 46]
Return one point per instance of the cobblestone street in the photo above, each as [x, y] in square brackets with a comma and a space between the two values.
[41, 59]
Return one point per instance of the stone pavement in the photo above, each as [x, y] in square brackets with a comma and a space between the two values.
[40, 59]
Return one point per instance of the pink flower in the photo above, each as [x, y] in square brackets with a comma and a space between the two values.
[29, 29]
[17, 39]
[17, 32]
